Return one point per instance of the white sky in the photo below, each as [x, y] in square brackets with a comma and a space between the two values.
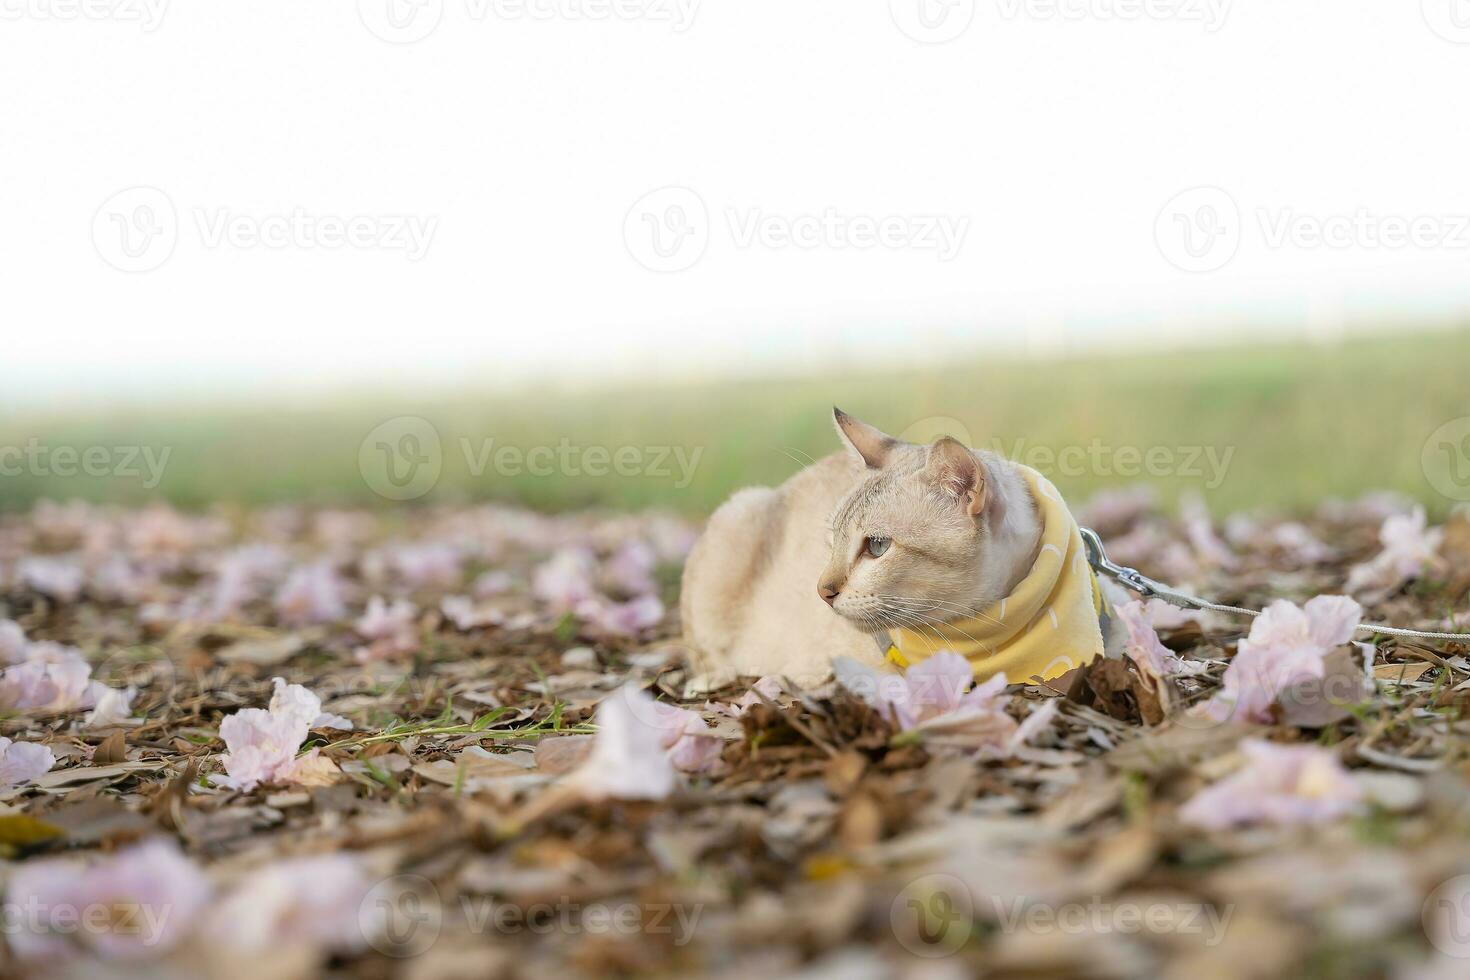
[1056, 139]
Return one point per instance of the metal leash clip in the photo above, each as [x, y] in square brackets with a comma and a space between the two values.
[1130, 578]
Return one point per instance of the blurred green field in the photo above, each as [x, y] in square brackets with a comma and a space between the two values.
[1282, 427]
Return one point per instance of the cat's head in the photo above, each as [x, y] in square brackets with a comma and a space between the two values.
[910, 543]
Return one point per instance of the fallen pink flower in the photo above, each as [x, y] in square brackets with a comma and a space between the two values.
[390, 628]
[298, 702]
[628, 760]
[53, 678]
[57, 578]
[621, 618]
[241, 577]
[117, 579]
[137, 904]
[161, 531]
[1286, 646]
[311, 902]
[466, 615]
[566, 579]
[1299, 544]
[768, 686]
[686, 738]
[491, 583]
[1144, 645]
[13, 643]
[1279, 784]
[629, 571]
[21, 762]
[262, 744]
[311, 594]
[427, 565]
[1409, 548]
[1376, 505]
[1292, 540]
[114, 708]
[935, 697]
[1209, 550]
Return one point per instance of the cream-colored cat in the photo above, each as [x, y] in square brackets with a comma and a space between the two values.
[886, 535]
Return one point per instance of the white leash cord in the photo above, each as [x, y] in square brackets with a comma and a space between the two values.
[1136, 581]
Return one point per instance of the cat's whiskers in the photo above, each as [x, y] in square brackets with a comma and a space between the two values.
[790, 453]
[939, 605]
[909, 621]
[923, 620]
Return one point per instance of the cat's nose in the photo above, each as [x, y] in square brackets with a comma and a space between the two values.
[828, 594]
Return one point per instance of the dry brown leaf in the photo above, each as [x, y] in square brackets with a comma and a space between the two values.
[111, 750]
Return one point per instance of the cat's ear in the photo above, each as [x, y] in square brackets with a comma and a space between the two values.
[957, 471]
[870, 445]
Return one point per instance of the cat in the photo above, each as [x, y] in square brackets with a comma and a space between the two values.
[886, 535]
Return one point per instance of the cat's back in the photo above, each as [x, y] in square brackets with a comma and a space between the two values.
[757, 530]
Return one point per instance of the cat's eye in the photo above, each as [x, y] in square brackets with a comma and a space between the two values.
[877, 546]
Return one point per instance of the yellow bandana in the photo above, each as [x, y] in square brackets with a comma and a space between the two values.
[1051, 622]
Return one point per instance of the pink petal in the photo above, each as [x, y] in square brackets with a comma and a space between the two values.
[1333, 619]
[628, 760]
[21, 762]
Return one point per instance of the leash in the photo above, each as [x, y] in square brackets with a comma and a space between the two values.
[1135, 581]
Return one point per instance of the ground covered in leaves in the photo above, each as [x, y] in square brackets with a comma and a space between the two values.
[483, 772]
